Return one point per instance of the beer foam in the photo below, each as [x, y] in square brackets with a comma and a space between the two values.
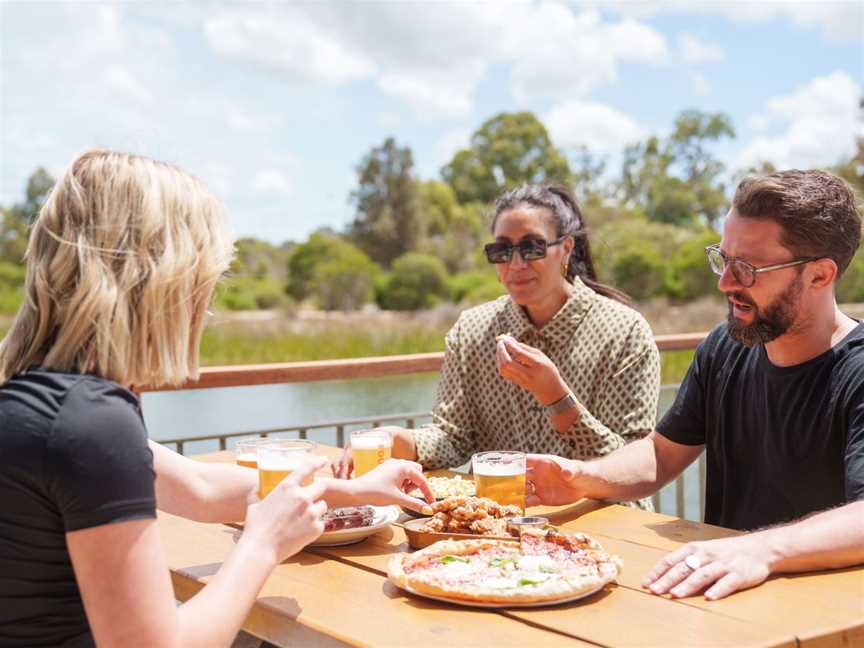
[282, 461]
[370, 442]
[499, 469]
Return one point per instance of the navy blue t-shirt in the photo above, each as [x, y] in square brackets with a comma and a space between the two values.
[73, 455]
[781, 442]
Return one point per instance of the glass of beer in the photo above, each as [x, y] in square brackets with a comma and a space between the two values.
[500, 476]
[246, 451]
[278, 459]
[370, 448]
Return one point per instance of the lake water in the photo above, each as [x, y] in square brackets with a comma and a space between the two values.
[205, 412]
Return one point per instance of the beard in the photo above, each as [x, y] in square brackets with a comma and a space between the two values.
[769, 323]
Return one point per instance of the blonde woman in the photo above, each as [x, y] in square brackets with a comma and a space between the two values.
[121, 266]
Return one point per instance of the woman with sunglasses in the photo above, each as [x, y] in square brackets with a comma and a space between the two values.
[562, 364]
[121, 265]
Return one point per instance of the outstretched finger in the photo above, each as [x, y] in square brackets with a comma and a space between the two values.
[518, 352]
[414, 475]
[306, 471]
[698, 580]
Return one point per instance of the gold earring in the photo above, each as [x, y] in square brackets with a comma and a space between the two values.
[563, 269]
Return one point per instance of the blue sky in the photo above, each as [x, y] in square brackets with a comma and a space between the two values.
[274, 104]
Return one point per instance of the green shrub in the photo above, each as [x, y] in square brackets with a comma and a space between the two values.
[638, 270]
[416, 281]
[688, 275]
[850, 288]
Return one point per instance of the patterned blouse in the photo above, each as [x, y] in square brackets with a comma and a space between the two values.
[605, 352]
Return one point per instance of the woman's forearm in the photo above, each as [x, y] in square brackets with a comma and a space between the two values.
[212, 616]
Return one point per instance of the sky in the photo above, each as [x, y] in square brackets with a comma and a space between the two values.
[275, 104]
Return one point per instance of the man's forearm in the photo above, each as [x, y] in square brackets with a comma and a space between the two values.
[826, 540]
[627, 474]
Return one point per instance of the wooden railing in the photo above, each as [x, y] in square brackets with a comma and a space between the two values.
[297, 372]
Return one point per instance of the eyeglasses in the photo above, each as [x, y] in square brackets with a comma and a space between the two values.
[745, 273]
[529, 250]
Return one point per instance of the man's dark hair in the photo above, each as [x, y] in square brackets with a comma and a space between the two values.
[816, 210]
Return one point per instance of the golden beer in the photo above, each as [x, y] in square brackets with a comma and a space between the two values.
[500, 476]
[246, 451]
[370, 448]
[278, 459]
[248, 461]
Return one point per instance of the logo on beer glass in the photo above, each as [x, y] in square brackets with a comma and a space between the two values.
[370, 448]
[278, 459]
[500, 476]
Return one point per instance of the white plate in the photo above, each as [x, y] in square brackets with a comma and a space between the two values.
[479, 604]
[384, 515]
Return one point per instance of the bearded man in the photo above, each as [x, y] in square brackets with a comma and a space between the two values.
[775, 395]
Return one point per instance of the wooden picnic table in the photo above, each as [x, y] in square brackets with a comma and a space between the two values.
[336, 596]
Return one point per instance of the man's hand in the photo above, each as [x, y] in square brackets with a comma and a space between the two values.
[553, 480]
[529, 368]
[722, 566]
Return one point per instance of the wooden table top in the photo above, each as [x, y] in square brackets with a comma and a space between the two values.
[334, 596]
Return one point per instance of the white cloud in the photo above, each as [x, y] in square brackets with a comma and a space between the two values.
[821, 119]
[693, 50]
[838, 20]
[450, 143]
[124, 85]
[596, 126]
[434, 59]
[287, 43]
[271, 182]
[560, 55]
[700, 84]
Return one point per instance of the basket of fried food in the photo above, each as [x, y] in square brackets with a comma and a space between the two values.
[442, 488]
[463, 518]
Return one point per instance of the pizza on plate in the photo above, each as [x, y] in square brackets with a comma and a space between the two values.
[543, 566]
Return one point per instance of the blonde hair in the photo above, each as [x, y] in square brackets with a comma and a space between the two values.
[121, 265]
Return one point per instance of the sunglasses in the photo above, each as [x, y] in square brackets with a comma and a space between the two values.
[745, 273]
[529, 250]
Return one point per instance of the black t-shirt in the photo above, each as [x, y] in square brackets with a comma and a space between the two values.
[73, 455]
[781, 442]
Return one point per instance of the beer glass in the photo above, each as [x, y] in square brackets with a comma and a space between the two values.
[500, 476]
[246, 451]
[370, 448]
[278, 459]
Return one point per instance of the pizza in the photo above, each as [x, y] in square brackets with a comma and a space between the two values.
[543, 566]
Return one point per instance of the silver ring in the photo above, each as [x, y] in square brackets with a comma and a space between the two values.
[693, 562]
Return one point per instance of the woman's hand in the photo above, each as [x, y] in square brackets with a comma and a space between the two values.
[290, 517]
[390, 482]
[553, 480]
[529, 368]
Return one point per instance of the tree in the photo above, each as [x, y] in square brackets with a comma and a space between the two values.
[677, 180]
[506, 151]
[387, 222]
[15, 226]
[333, 271]
[417, 281]
[452, 232]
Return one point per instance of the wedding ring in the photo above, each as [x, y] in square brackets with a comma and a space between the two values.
[693, 562]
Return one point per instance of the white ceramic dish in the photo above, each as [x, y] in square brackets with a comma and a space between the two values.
[384, 516]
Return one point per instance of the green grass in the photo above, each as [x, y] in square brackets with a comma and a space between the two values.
[225, 346]
[673, 366]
